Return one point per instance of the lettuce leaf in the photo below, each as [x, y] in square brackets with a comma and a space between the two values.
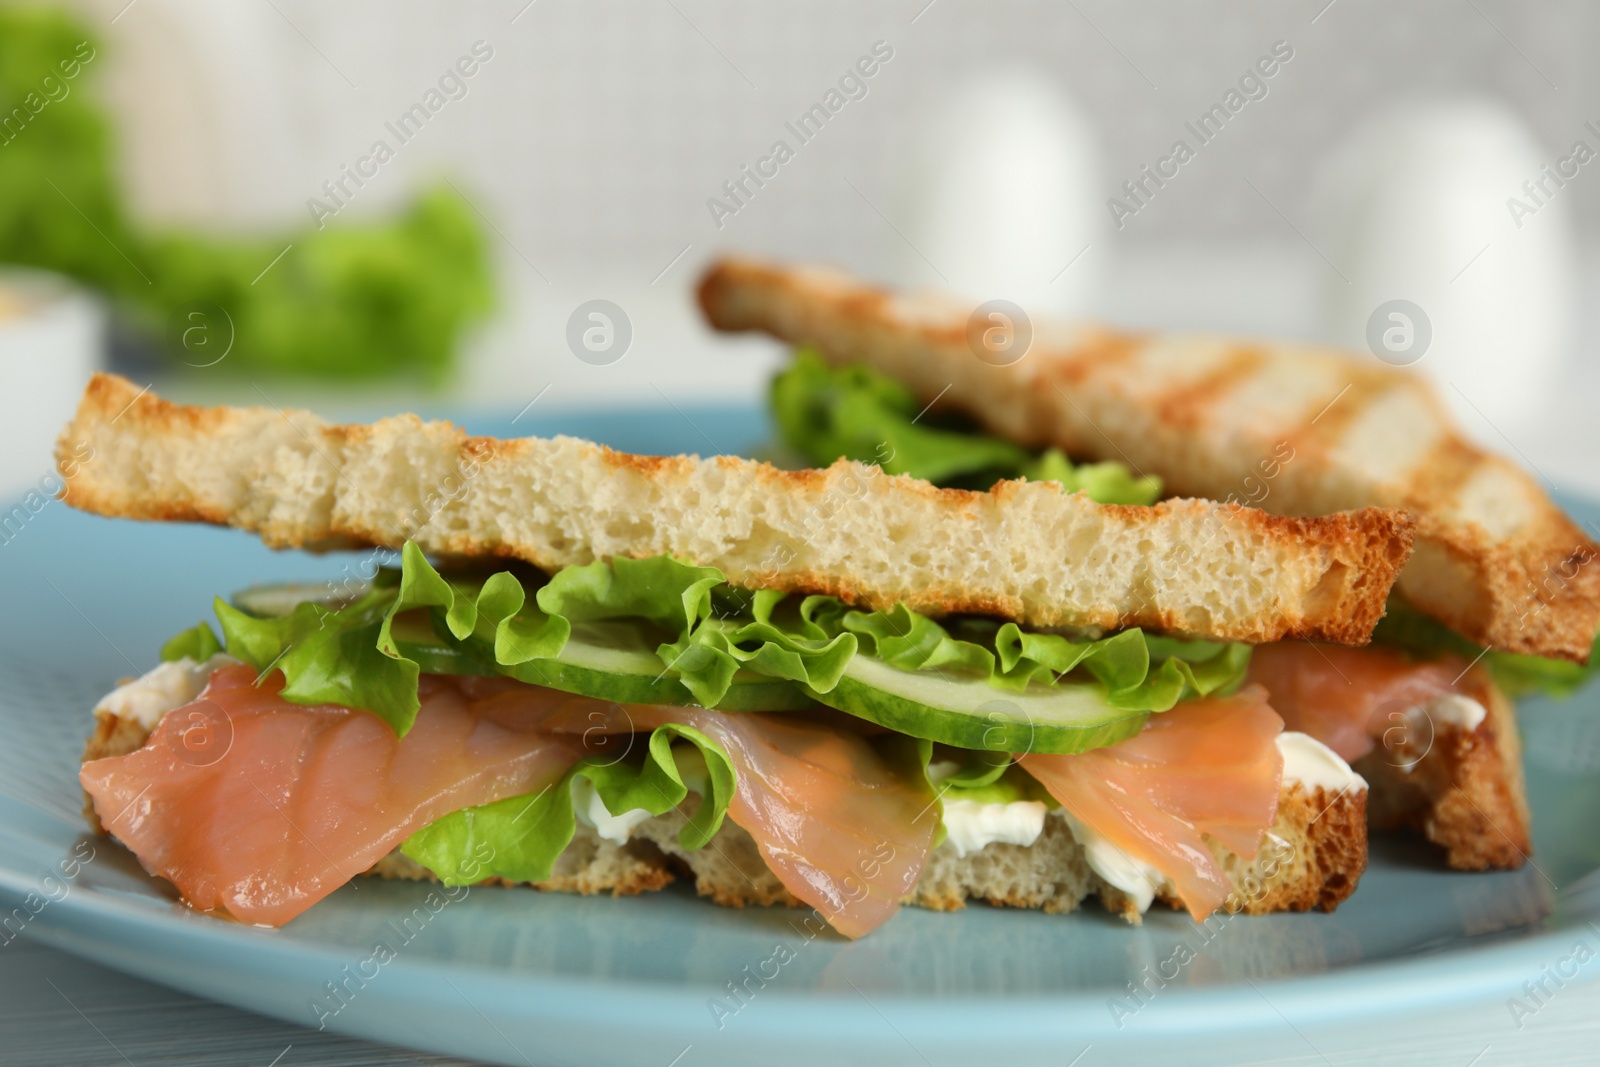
[825, 413]
[198, 643]
[964, 768]
[674, 595]
[1008, 785]
[368, 652]
[1520, 674]
[860, 414]
[331, 656]
[349, 656]
[1192, 668]
[520, 838]
[708, 657]
[1106, 483]
[1517, 674]
[910, 641]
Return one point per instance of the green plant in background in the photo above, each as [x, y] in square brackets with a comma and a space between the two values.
[352, 301]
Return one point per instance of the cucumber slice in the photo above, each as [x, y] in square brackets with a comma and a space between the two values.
[281, 598]
[614, 663]
[970, 713]
[433, 657]
[414, 636]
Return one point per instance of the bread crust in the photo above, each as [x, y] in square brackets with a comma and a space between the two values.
[1023, 550]
[1291, 429]
[1312, 857]
[1464, 790]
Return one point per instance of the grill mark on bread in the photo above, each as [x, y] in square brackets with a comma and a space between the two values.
[1449, 466]
[1336, 414]
[1185, 407]
[1097, 355]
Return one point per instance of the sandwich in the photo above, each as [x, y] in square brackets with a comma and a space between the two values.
[1500, 597]
[563, 666]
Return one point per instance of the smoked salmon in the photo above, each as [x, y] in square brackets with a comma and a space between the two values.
[1209, 766]
[1347, 698]
[273, 805]
[259, 808]
[845, 829]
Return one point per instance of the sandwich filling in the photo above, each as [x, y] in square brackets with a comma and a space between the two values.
[472, 721]
[1356, 699]
[258, 807]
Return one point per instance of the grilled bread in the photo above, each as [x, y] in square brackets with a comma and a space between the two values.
[1312, 857]
[1025, 551]
[1290, 429]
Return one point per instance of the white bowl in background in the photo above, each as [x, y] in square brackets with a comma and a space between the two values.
[52, 338]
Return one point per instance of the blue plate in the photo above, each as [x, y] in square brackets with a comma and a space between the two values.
[514, 976]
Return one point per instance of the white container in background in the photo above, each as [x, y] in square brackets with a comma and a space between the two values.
[1413, 207]
[51, 340]
[1003, 191]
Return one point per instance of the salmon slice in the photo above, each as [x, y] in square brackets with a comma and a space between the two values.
[844, 829]
[841, 828]
[259, 808]
[1348, 697]
[1208, 766]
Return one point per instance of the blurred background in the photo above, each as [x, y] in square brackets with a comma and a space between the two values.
[364, 207]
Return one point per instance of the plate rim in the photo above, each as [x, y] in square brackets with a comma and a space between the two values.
[1365, 989]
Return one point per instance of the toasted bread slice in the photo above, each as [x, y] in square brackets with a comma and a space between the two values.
[1291, 429]
[1024, 551]
[1461, 788]
[1312, 857]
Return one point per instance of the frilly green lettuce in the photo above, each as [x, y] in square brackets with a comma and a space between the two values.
[332, 656]
[365, 653]
[751, 639]
[520, 838]
[198, 643]
[824, 413]
[1516, 673]
[350, 655]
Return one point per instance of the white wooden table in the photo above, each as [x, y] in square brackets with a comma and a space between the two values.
[60, 1011]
